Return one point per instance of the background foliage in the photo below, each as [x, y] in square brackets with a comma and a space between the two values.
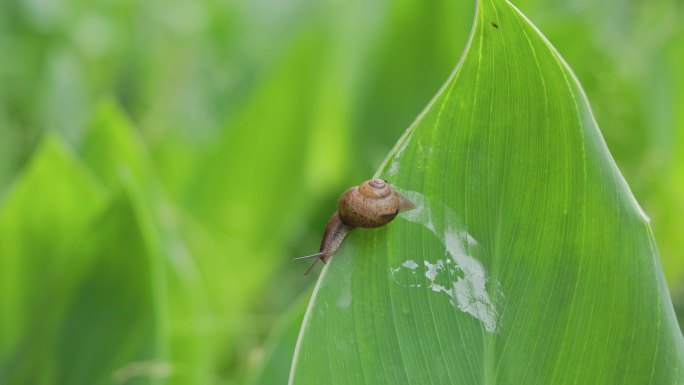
[161, 162]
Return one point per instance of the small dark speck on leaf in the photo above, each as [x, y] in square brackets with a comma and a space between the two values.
[495, 25]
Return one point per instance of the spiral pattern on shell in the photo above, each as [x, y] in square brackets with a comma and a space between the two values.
[371, 204]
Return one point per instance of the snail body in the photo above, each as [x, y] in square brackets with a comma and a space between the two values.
[373, 203]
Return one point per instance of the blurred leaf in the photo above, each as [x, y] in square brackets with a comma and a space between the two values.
[528, 260]
[112, 149]
[47, 209]
[268, 131]
[118, 155]
[275, 367]
[115, 326]
[669, 203]
[416, 47]
[105, 322]
[247, 197]
[85, 303]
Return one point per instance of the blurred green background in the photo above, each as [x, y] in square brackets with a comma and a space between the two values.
[161, 162]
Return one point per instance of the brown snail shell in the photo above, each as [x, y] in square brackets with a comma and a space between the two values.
[373, 203]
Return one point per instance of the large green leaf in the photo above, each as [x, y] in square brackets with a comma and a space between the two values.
[527, 261]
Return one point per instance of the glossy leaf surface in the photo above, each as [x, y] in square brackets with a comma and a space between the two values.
[527, 261]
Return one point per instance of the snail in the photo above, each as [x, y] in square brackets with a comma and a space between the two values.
[373, 203]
